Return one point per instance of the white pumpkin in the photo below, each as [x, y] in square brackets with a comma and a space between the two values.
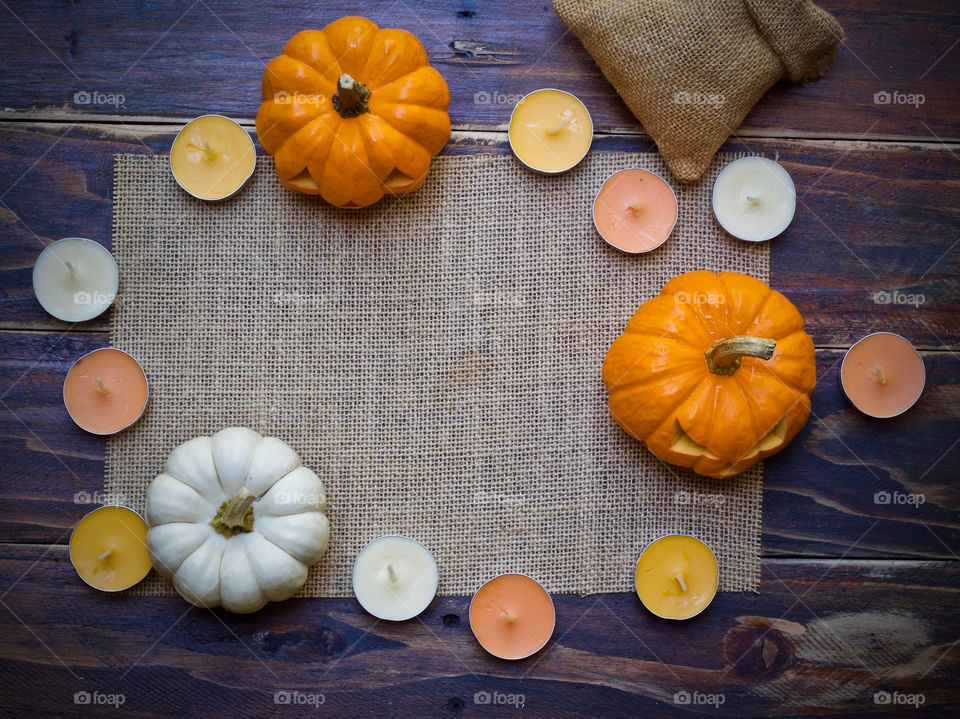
[236, 519]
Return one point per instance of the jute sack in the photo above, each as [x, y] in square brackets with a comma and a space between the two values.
[691, 71]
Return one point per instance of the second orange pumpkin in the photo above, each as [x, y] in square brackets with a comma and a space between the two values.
[353, 112]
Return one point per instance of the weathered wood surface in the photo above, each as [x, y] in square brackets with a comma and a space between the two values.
[819, 493]
[874, 221]
[821, 638]
[181, 59]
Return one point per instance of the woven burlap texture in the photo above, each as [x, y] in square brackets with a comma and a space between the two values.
[435, 359]
[691, 71]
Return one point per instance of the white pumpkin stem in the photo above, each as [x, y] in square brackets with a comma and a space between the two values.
[235, 515]
[723, 356]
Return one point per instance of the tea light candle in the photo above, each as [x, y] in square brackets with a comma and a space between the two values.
[108, 548]
[882, 375]
[754, 199]
[75, 279]
[395, 578]
[677, 577]
[512, 616]
[212, 157]
[105, 391]
[550, 131]
[635, 210]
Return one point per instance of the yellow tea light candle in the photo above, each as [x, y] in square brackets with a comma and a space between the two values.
[212, 157]
[395, 577]
[677, 577]
[550, 131]
[75, 279]
[108, 548]
[754, 199]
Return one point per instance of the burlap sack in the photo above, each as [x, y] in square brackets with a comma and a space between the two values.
[691, 71]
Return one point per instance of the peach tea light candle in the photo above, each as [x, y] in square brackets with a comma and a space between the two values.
[677, 577]
[882, 375]
[395, 578]
[212, 157]
[108, 548]
[754, 199]
[550, 131]
[75, 279]
[635, 210]
[512, 616]
[105, 391]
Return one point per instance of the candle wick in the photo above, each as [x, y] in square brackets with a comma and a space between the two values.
[71, 268]
[753, 199]
[634, 207]
[508, 617]
[559, 126]
[683, 584]
[208, 152]
[883, 380]
[104, 555]
[101, 387]
[391, 575]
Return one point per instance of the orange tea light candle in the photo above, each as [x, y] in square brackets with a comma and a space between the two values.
[677, 577]
[635, 210]
[108, 548]
[105, 391]
[512, 616]
[550, 131]
[882, 375]
[212, 157]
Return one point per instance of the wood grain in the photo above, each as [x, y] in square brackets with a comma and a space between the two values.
[819, 494]
[874, 222]
[180, 60]
[819, 638]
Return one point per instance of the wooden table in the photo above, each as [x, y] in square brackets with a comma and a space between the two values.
[858, 596]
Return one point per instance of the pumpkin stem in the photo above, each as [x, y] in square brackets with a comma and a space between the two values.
[723, 356]
[351, 97]
[235, 515]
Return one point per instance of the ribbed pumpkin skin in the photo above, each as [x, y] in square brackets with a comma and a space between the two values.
[353, 161]
[658, 379]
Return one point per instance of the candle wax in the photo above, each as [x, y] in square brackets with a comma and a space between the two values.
[108, 548]
[550, 130]
[512, 616]
[635, 210]
[882, 375]
[115, 401]
[75, 279]
[677, 576]
[395, 578]
[212, 157]
[754, 199]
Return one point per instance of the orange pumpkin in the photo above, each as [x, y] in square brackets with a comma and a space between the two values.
[715, 373]
[353, 112]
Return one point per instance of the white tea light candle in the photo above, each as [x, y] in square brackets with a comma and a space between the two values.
[75, 279]
[395, 577]
[754, 199]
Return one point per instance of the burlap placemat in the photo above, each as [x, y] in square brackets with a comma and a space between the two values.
[436, 360]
